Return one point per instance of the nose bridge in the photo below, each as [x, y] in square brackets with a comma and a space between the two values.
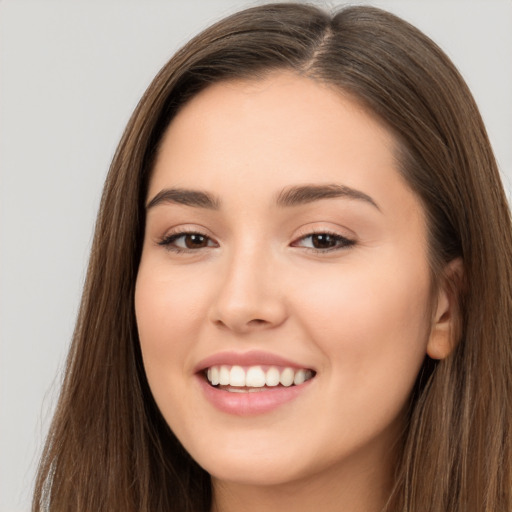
[248, 294]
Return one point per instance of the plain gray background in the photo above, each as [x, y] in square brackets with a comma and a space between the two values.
[70, 75]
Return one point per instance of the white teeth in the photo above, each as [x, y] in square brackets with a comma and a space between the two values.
[237, 376]
[299, 377]
[255, 377]
[224, 376]
[214, 375]
[287, 376]
[272, 376]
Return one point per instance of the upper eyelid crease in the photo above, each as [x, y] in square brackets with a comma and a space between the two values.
[288, 197]
[166, 241]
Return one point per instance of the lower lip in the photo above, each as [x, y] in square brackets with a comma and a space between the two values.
[248, 404]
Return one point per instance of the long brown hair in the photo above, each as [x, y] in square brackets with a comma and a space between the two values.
[109, 448]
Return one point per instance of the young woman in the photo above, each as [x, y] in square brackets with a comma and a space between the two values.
[299, 294]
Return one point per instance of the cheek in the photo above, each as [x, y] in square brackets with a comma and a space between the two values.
[167, 303]
[372, 324]
[167, 313]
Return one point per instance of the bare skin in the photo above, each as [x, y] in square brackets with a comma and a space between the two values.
[338, 284]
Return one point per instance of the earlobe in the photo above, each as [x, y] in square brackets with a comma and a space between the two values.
[445, 331]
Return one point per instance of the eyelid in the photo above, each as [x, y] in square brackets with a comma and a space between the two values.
[348, 240]
[181, 231]
[319, 228]
[343, 241]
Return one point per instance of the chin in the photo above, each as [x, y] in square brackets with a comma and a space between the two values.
[256, 465]
[254, 473]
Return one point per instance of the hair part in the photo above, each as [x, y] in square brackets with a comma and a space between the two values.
[109, 447]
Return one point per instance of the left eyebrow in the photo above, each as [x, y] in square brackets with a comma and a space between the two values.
[303, 194]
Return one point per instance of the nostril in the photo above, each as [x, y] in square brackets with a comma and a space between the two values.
[257, 321]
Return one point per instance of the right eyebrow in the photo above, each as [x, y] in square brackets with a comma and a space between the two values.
[186, 197]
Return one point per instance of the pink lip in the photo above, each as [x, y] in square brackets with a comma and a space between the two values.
[249, 404]
[251, 358]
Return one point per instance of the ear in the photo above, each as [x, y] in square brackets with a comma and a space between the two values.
[446, 319]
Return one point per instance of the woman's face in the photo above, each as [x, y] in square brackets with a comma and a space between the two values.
[282, 245]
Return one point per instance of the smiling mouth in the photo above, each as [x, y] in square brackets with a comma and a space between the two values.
[250, 379]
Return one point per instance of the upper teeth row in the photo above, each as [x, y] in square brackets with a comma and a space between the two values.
[255, 376]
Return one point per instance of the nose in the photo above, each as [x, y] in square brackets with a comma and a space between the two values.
[249, 297]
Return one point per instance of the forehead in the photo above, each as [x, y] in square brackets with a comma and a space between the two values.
[259, 136]
[281, 99]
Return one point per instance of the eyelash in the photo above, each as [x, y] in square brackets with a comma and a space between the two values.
[341, 241]
[168, 240]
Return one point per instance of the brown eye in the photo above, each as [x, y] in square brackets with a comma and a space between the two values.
[195, 241]
[179, 242]
[324, 242]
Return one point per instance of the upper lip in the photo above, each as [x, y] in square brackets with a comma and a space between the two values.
[251, 358]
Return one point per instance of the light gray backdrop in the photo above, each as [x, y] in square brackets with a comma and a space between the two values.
[70, 75]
